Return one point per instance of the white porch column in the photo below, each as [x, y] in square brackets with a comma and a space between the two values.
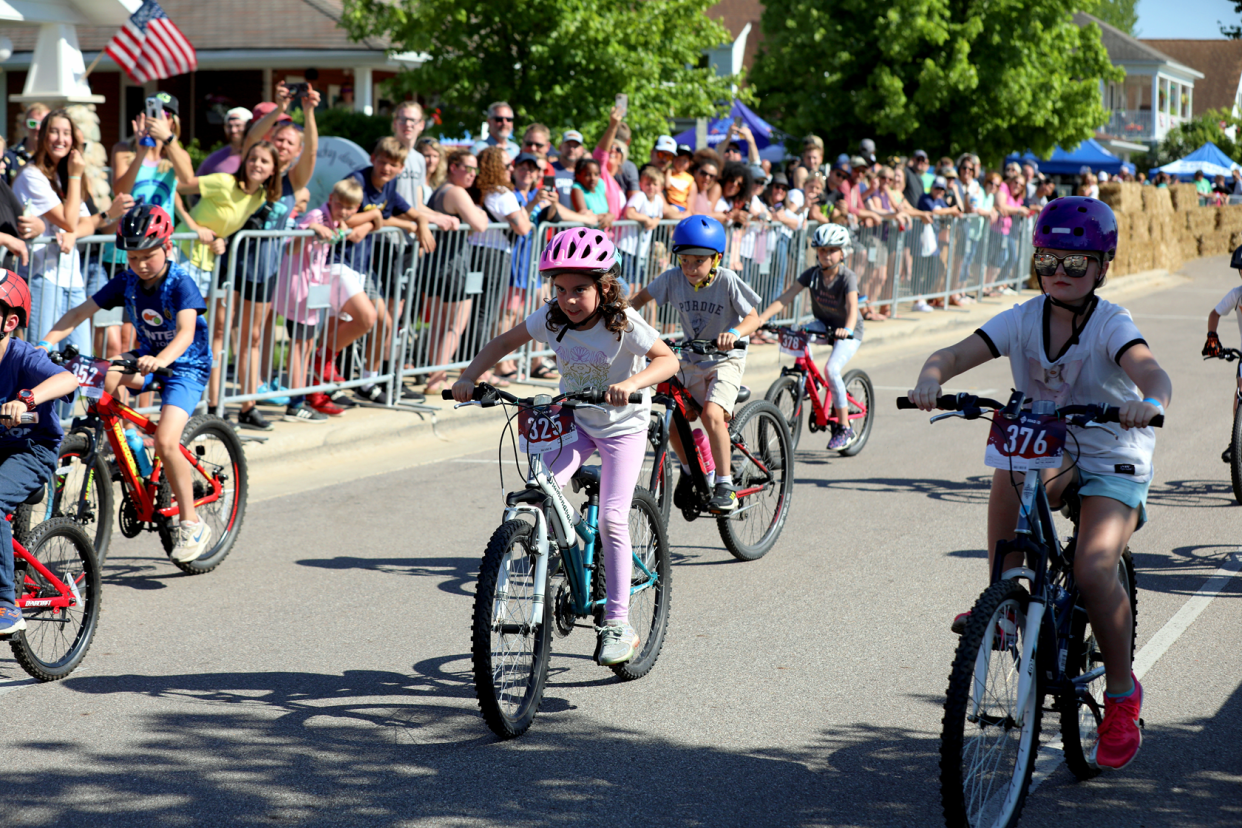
[363, 91]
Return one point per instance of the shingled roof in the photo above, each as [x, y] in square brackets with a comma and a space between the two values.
[1219, 60]
[1125, 49]
[236, 24]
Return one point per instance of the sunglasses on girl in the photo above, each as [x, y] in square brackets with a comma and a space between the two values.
[1075, 264]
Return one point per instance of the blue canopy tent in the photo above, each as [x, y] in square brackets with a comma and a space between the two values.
[1090, 153]
[1208, 158]
[768, 139]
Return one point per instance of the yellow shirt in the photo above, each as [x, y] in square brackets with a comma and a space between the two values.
[223, 209]
[677, 188]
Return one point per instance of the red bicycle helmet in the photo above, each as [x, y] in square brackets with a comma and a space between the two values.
[15, 293]
[142, 227]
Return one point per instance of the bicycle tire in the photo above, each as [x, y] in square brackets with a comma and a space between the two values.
[72, 480]
[510, 667]
[858, 386]
[785, 394]
[649, 607]
[224, 516]
[1078, 720]
[56, 640]
[761, 429]
[664, 481]
[970, 795]
[1235, 464]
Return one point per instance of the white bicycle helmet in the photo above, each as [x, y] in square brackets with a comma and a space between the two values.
[831, 235]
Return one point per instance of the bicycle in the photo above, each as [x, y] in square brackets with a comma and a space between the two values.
[58, 591]
[803, 380]
[762, 462]
[536, 579]
[82, 485]
[1023, 643]
[1233, 456]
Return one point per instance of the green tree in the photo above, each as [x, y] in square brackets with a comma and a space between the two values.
[1122, 14]
[991, 76]
[559, 62]
[1187, 137]
[1234, 31]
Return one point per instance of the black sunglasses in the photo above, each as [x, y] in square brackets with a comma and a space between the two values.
[503, 118]
[1075, 264]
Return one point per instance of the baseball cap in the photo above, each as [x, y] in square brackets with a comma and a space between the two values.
[843, 166]
[779, 179]
[572, 135]
[939, 183]
[526, 156]
[239, 112]
[920, 154]
[858, 161]
[665, 143]
[867, 146]
[684, 149]
[169, 102]
[264, 109]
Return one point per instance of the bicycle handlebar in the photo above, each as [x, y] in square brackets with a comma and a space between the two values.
[1227, 354]
[779, 328]
[27, 417]
[975, 407]
[127, 366]
[489, 396]
[702, 347]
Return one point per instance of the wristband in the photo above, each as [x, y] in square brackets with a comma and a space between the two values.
[74, 176]
[44, 344]
[1155, 402]
[733, 331]
[848, 331]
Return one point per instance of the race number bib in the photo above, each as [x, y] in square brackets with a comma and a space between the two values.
[543, 430]
[793, 343]
[90, 374]
[1032, 441]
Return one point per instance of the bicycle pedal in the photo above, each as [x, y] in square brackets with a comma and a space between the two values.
[1142, 724]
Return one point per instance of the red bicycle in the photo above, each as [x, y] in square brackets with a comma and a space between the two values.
[58, 592]
[803, 381]
[82, 488]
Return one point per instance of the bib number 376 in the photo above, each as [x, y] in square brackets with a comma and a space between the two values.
[1029, 442]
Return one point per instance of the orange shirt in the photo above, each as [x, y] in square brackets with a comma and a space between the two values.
[677, 189]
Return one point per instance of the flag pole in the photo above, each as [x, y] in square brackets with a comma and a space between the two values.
[94, 63]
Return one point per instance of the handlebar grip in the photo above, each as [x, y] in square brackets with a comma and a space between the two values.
[163, 372]
[945, 403]
[479, 393]
[27, 417]
[595, 396]
[1111, 412]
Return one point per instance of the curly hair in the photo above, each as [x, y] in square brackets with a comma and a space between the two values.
[612, 303]
[493, 171]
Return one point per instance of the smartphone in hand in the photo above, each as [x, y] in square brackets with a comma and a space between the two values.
[549, 182]
[737, 121]
[155, 108]
[623, 103]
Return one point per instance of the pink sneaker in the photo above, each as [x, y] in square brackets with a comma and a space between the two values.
[1119, 734]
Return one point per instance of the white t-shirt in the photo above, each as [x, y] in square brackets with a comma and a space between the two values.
[752, 245]
[1231, 302]
[1088, 372]
[637, 237]
[595, 358]
[497, 205]
[412, 182]
[35, 193]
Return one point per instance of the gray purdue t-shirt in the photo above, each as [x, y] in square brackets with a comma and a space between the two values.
[709, 311]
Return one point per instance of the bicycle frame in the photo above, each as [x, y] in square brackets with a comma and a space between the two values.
[810, 383]
[67, 594]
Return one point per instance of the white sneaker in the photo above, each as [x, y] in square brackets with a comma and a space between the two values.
[617, 643]
[1008, 291]
[192, 540]
[922, 307]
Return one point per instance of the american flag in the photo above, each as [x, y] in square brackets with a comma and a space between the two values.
[150, 46]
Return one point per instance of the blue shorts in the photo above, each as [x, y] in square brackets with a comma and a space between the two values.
[1130, 492]
[184, 392]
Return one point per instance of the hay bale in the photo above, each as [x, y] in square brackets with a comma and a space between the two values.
[1184, 197]
[1230, 218]
[1126, 196]
[1157, 200]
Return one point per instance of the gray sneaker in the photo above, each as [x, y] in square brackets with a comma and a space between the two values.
[192, 540]
[303, 413]
[617, 643]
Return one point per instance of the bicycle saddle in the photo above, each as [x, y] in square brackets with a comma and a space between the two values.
[743, 394]
[586, 477]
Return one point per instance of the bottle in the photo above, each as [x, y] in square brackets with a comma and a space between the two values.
[134, 440]
[704, 450]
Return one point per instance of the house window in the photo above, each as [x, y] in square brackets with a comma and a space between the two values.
[1187, 91]
[1162, 101]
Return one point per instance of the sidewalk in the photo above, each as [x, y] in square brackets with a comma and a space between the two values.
[372, 425]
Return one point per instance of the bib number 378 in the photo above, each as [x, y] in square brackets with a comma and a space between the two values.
[1029, 442]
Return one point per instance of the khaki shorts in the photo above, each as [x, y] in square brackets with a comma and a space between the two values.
[716, 382]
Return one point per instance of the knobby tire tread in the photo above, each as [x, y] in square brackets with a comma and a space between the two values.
[646, 657]
[727, 524]
[789, 386]
[220, 545]
[863, 433]
[1235, 466]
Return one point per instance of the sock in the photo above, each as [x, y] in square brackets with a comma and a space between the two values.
[368, 375]
[1124, 695]
[685, 467]
[188, 523]
[726, 479]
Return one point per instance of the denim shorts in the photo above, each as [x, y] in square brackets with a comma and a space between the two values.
[179, 390]
[1130, 492]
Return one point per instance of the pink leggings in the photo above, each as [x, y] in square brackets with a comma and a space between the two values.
[621, 460]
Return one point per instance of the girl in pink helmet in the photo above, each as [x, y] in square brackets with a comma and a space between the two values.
[599, 343]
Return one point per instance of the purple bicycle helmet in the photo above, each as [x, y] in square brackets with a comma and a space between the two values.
[1077, 223]
[579, 248]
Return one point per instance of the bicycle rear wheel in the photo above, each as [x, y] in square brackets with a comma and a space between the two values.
[510, 647]
[1081, 714]
[762, 458]
[56, 639]
[786, 395]
[861, 396]
[986, 757]
[650, 594]
[1235, 466]
[220, 453]
[662, 492]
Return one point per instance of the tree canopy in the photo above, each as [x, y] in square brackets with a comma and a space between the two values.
[558, 62]
[1120, 13]
[944, 75]
[1187, 137]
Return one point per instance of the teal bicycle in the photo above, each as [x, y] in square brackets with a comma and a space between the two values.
[543, 570]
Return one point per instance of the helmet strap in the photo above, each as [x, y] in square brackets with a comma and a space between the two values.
[584, 323]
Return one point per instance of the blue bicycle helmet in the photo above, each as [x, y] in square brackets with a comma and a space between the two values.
[699, 236]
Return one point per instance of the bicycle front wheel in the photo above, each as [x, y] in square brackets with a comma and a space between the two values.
[1082, 713]
[56, 638]
[218, 450]
[651, 586]
[861, 397]
[510, 647]
[989, 739]
[1235, 465]
[786, 395]
[762, 461]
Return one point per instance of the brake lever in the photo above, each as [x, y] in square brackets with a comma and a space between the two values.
[960, 414]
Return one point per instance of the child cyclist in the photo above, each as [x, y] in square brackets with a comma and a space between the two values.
[167, 308]
[1071, 347]
[29, 381]
[1232, 301]
[714, 303]
[834, 303]
[599, 343]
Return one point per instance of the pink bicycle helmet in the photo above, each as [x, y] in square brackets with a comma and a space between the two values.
[579, 248]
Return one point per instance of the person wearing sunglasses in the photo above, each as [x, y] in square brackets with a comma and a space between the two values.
[32, 118]
[1070, 346]
[499, 130]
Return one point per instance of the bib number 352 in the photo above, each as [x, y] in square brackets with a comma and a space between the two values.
[90, 374]
[1029, 442]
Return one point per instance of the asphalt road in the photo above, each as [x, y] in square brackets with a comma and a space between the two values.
[321, 676]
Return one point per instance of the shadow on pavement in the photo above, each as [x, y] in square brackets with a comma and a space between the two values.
[456, 573]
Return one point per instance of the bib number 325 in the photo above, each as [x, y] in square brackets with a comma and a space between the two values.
[1029, 442]
[543, 430]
